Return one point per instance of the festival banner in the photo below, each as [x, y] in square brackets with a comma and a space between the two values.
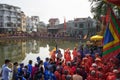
[111, 42]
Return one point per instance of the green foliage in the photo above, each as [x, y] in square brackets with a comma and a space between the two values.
[99, 8]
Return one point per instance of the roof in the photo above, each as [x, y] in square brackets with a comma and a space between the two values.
[11, 5]
[53, 19]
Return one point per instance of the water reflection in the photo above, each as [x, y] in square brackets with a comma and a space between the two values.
[24, 50]
[14, 50]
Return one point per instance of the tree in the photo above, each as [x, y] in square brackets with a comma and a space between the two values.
[99, 8]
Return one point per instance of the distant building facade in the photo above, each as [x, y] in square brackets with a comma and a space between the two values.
[35, 23]
[79, 27]
[28, 24]
[42, 27]
[10, 18]
[85, 26]
[23, 22]
[53, 22]
[71, 29]
[32, 23]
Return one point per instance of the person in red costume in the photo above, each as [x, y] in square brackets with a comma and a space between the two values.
[57, 73]
[68, 67]
[92, 75]
[74, 53]
[85, 64]
[53, 57]
[67, 55]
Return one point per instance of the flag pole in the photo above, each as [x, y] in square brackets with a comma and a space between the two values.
[64, 24]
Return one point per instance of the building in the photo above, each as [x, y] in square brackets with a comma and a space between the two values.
[32, 23]
[79, 27]
[35, 23]
[42, 27]
[53, 22]
[10, 18]
[23, 22]
[28, 24]
[85, 26]
[71, 29]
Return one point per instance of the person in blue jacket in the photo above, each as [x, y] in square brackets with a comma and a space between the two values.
[20, 72]
[49, 75]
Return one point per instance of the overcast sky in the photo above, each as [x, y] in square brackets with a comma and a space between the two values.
[46, 9]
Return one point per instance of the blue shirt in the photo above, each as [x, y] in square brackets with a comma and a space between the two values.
[49, 75]
[30, 68]
[46, 64]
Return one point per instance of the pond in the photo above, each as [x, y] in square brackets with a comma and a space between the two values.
[25, 50]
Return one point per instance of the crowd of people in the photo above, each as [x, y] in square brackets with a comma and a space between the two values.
[73, 65]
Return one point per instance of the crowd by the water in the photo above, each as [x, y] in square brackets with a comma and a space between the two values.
[81, 64]
[41, 35]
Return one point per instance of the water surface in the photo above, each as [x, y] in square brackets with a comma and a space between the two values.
[25, 50]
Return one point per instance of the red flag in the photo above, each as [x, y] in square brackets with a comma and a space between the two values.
[65, 24]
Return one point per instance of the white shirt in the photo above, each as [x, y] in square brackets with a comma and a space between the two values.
[5, 72]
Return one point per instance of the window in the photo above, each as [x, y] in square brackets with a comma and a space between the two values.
[1, 25]
[1, 12]
[8, 24]
[1, 17]
[1, 7]
[14, 25]
[18, 25]
[88, 24]
[8, 18]
[81, 25]
[75, 24]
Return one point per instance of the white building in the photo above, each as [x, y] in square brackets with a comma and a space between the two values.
[32, 23]
[10, 18]
[28, 24]
[35, 23]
